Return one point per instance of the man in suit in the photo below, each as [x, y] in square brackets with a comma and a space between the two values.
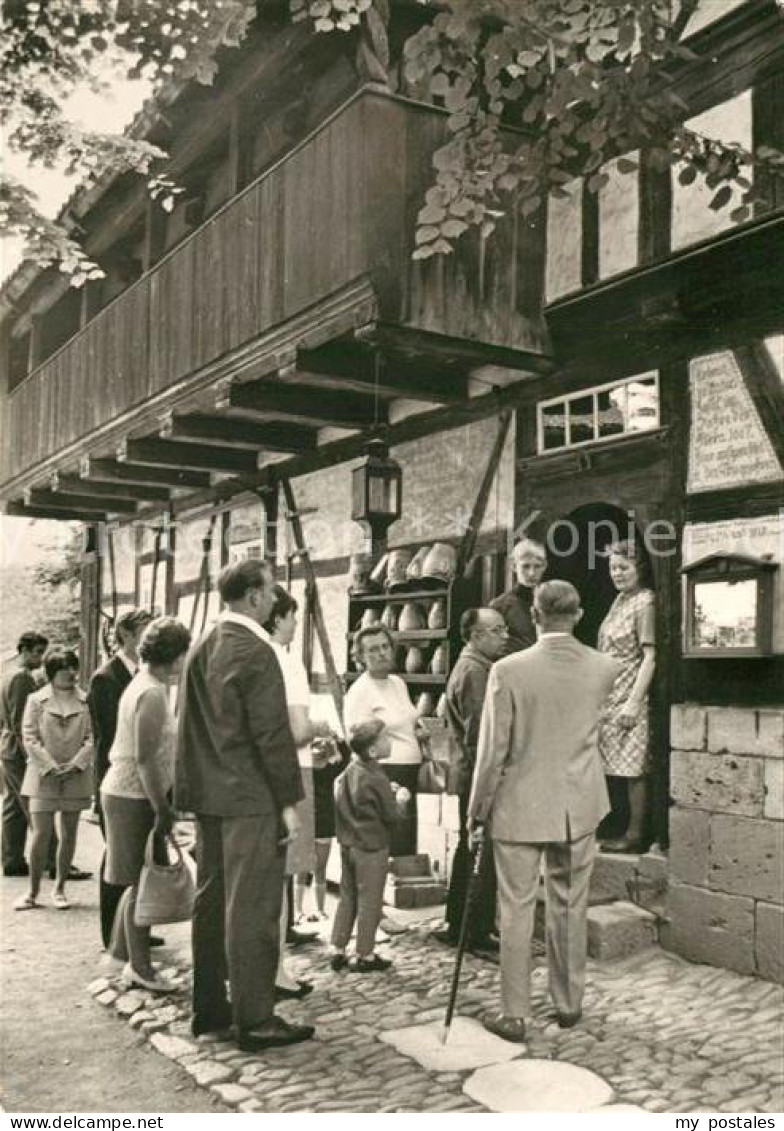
[17, 686]
[539, 782]
[485, 634]
[515, 606]
[237, 771]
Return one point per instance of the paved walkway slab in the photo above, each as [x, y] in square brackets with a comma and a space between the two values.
[469, 1045]
[538, 1085]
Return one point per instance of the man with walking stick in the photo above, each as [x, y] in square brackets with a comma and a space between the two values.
[539, 783]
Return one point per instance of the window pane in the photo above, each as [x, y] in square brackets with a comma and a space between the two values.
[612, 411]
[642, 407]
[554, 426]
[581, 420]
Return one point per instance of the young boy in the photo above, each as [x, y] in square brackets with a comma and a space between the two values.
[366, 807]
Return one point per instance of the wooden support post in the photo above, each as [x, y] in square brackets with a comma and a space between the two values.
[468, 542]
[310, 580]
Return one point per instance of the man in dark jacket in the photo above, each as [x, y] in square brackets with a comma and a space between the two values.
[237, 771]
[485, 634]
[103, 696]
[515, 606]
[17, 686]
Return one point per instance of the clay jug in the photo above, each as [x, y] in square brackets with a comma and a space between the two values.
[414, 568]
[389, 617]
[438, 662]
[437, 615]
[396, 569]
[415, 660]
[370, 616]
[412, 618]
[426, 704]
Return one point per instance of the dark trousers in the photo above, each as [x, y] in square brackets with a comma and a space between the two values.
[236, 917]
[403, 835]
[362, 879]
[482, 914]
[15, 818]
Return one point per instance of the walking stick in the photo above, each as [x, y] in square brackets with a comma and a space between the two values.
[473, 877]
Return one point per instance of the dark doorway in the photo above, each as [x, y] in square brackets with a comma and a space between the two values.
[578, 545]
[578, 553]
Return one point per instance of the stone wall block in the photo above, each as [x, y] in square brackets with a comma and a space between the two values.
[707, 926]
[774, 789]
[769, 941]
[746, 857]
[689, 846]
[770, 733]
[738, 730]
[688, 726]
[720, 783]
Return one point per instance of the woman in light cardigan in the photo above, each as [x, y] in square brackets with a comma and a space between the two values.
[58, 741]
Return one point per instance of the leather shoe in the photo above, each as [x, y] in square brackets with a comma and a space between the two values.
[283, 993]
[156, 940]
[74, 873]
[273, 1033]
[301, 938]
[508, 1028]
[624, 845]
[17, 869]
[568, 1020]
[445, 936]
[218, 1024]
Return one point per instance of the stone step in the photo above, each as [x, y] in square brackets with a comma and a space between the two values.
[615, 930]
[415, 895]
[405, 866]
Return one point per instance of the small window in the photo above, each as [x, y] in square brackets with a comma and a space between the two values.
[601, 413]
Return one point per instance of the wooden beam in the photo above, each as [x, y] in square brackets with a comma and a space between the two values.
[21, 510]
[425, 343]
[110, 471]
[412, 428]
[237, 433]
[352, 369]
[762, 380]
[199, 457]
[57, 500]
[319, 409]
[73, 485]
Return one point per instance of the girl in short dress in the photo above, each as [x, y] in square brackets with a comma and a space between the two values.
[628, 634]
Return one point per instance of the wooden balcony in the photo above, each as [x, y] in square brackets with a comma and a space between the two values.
[317, 246]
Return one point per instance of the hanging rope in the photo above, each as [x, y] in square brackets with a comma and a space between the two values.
[110, 621]
[207, 547]
[156, 561]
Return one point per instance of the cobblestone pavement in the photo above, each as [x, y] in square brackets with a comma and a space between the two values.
[666, 1035]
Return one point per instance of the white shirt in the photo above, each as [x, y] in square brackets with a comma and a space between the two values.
[240, 618]
[386, 699]
[295, 679]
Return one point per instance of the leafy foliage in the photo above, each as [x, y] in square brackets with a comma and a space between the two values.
[538, 92]
[51, 48]
[581, 82]
[44, 596]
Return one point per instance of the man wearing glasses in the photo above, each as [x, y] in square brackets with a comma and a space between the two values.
[485, 634]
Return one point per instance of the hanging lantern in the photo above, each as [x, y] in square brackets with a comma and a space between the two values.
[376, 490]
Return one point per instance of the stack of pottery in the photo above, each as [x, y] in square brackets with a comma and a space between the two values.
[412, 618]
[389, 617]
[437, 616]
[439, 660]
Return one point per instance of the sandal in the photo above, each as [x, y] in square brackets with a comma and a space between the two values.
[60, 901]
[26, 903]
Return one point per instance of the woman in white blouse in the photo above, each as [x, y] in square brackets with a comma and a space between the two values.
[301, 852]
[136, 789]
[380, 694]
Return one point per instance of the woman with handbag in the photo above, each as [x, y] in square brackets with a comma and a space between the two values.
[136, 789]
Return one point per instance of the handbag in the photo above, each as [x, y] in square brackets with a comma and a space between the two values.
[166, 891]
[432, 774]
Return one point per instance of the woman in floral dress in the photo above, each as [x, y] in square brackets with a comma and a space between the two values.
[628, 634]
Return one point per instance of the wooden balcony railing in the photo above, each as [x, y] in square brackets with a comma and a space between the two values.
[341, 206]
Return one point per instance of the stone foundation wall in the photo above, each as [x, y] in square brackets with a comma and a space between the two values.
[726, 884]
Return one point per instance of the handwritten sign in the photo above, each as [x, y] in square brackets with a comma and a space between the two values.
[728, 446]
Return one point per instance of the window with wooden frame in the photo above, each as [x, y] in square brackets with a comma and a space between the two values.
[602, 412]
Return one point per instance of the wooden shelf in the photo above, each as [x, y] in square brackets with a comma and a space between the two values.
[400, 596]
[413, 634]
[426, 678]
